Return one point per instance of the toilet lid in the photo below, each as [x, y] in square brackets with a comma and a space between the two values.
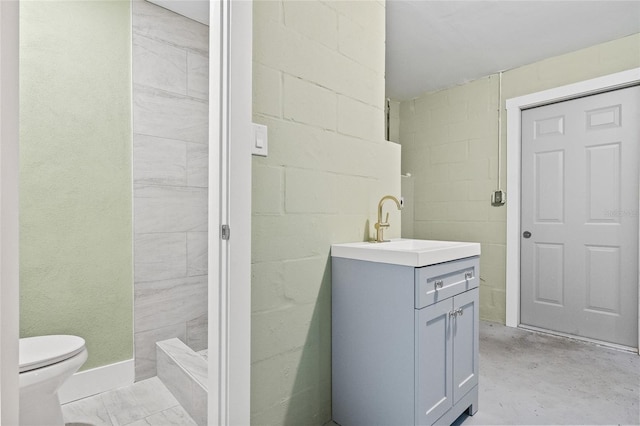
[41, 351]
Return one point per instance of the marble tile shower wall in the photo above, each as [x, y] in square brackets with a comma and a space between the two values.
[170, 157]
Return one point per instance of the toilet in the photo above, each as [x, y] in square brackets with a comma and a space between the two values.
[46, 362]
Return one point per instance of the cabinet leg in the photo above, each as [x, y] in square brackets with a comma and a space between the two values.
[473, 408]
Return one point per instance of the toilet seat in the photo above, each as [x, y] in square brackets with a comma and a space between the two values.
[41, 351]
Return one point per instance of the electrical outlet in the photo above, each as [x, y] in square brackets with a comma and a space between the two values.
[498, 198]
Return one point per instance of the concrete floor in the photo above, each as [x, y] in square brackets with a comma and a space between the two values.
[529, 378]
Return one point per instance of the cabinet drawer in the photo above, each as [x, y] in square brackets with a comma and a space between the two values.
[438, 282]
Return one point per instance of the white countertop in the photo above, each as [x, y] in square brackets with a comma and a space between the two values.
[407, 252]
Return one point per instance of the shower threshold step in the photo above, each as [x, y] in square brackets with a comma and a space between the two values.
[184, 372]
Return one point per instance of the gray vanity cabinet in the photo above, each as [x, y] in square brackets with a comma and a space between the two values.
[446, 355]
[404, 342]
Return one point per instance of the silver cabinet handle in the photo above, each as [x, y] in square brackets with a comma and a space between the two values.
[468, 275]
[438, 284]
[456, 312]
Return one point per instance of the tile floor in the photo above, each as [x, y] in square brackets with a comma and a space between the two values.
[146, 403]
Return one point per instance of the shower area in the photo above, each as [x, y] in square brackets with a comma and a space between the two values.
[170, 75]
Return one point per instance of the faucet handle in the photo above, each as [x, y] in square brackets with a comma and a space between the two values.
[386, 220]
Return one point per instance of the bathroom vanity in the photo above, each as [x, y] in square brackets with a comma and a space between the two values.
[404, 332]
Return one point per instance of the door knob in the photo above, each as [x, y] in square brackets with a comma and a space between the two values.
[526, 234]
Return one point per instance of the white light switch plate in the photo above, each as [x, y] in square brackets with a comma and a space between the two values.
[260, 142]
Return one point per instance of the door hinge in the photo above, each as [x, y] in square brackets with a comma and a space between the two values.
[225, 232]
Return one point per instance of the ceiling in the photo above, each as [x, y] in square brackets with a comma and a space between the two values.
[432, 45]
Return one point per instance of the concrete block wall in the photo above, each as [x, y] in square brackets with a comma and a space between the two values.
[170, 165]
[318, 81]
[394, 121]
[450, 145]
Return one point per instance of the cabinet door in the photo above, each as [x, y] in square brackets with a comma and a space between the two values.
[464, 331]
[433, 362]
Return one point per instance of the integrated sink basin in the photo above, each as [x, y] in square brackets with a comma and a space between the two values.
[407, 252]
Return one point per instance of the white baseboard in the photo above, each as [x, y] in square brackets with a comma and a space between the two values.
[97, 380]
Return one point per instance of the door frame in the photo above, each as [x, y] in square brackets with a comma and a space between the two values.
[229, 285]
[514, 107]
[9, 267]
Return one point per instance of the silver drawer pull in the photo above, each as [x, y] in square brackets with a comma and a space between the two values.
[438, 284]
[468, 275]
[459, 311]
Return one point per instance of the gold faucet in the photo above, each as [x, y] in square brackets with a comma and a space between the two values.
[380, 225]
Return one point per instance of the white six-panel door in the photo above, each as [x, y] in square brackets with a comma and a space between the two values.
[579, 216]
